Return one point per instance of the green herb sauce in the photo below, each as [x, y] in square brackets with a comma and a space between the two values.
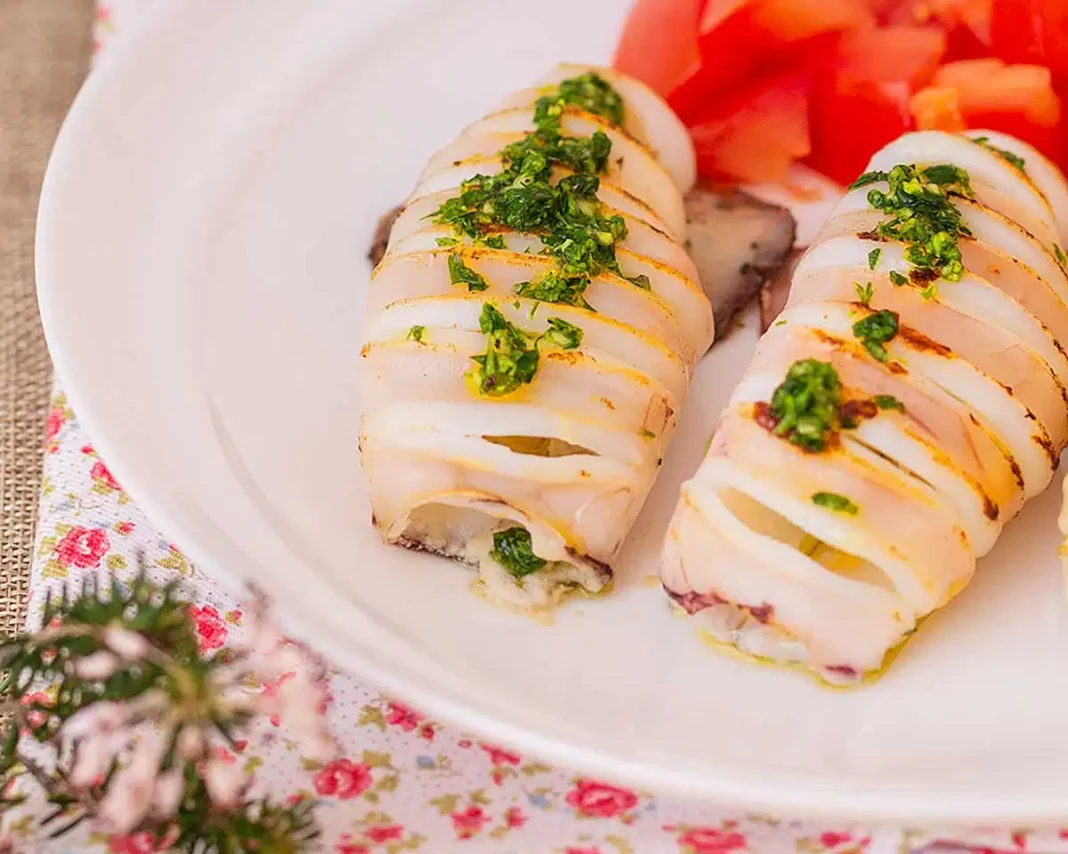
[461, 274]
[512, 355]
[567, 216]
[921, 215]
[834, 501]
[875, 330]
[1013, 159]
[888, 401]
[513, 549]
[805, 406]
[864, 292]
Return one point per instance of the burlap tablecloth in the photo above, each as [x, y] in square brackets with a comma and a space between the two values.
[45, 47]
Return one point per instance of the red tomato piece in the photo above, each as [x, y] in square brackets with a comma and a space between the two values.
[744, 40]
[895, 53]
[987, 93]
[861, 98]
[1032, 31]
[659, 43]
[757, 134]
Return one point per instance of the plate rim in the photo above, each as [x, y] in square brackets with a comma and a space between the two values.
[715, 787]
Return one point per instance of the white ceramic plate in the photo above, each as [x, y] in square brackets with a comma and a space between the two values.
[201, 262]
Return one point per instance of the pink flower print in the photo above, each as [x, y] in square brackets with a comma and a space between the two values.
[346, 845]
[713, 840]
[124, 528]
[36, 703]
[82, 547]
[210, 626]
[384, 833]
[464, 743]
[141, 843]
[56, 419]
[469, 822]
[500, 756]
[343, 779]
[399, 715]
[514, 817]
[101, 475]
[591, 798]
[574, 850]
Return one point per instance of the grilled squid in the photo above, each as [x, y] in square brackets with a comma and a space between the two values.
[906, 402]
[532, 330]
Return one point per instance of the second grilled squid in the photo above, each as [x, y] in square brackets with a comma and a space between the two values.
[908, 400]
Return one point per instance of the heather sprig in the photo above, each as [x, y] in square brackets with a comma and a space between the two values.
[125, 712]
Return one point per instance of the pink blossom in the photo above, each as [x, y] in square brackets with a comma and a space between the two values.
[346, 845]
[141, 843]
[600, 800]
[82, 547]
[500, 756]
[100, 474]
[469, 822]
[401, 716]
[344, 779]
[211, 630]
[514, 817]
[56, 420]
[225, 781]
[384, 833]
[711, 840]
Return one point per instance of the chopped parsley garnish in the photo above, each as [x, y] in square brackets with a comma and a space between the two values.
[589, 92]
[897, 278]
[566, 216]
[834, 501]
[1060, 255]
[930, 292]
[888, 401]
[921, 214]
[875, 330]
[416, 334]
[808, 410]
[1013, 159]
[647, 434]
[513, 549]
[864, 292]
[461, 274]
[511, 357]
[805, 405]
[564, 335]
[873, 258]
[557, 288]
[447, 241]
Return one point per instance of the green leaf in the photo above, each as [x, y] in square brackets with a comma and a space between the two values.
[461, 274]
[834, 501]
[376, 760]
[445, 803]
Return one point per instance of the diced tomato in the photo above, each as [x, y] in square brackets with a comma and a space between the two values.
[861, 99]
[1016, 99]
[758, 134]
[937, 108]
[744, 40]
[1032, 31]
[902, 52]
[991, 86]
[659, 43]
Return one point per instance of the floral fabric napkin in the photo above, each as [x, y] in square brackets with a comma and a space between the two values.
[402, 782]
